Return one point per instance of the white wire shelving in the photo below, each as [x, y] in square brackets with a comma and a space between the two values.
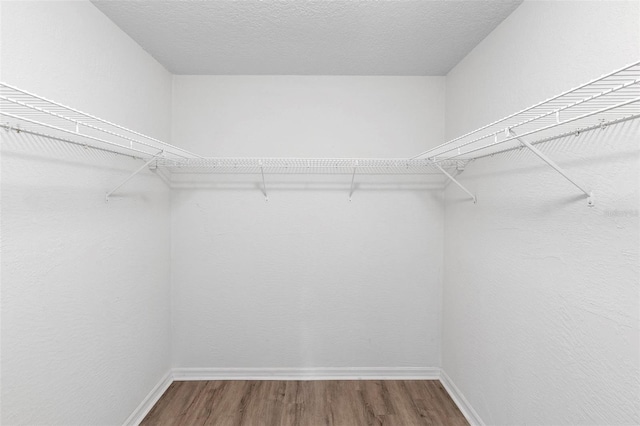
[605, 101]
[26, 112]
[610, 99]
[284, 165]
[333, 166]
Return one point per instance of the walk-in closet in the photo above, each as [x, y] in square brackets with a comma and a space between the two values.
[311, 212]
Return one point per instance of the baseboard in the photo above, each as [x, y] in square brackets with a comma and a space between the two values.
[149, 401]
[340, 373]
[467, 410]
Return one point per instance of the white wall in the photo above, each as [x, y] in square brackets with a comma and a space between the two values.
[540, 322]
[541, 297]
[307, 279]
[85, 284]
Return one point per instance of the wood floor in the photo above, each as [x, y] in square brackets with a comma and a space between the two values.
[306, 403]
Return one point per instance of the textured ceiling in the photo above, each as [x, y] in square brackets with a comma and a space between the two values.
[302, 37]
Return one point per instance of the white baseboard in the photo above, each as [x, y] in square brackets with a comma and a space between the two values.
[340, 373]
[467, 410]
[149, 401]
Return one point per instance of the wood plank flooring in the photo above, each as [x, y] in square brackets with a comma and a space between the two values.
[306, 403]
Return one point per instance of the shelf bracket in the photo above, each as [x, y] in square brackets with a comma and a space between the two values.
[264, 184]
[353, 178]
[552, 164]
[473, 197]
[154, 158]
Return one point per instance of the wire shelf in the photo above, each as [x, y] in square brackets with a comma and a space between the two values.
[610, 99]
[28, 113]
[607, 100]
[370, 166]
[23, 111]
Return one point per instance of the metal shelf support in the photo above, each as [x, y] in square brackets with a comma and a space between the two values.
[154, 158]
[353, 178]
[550, 162]
[264, 184]
[473, 197]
